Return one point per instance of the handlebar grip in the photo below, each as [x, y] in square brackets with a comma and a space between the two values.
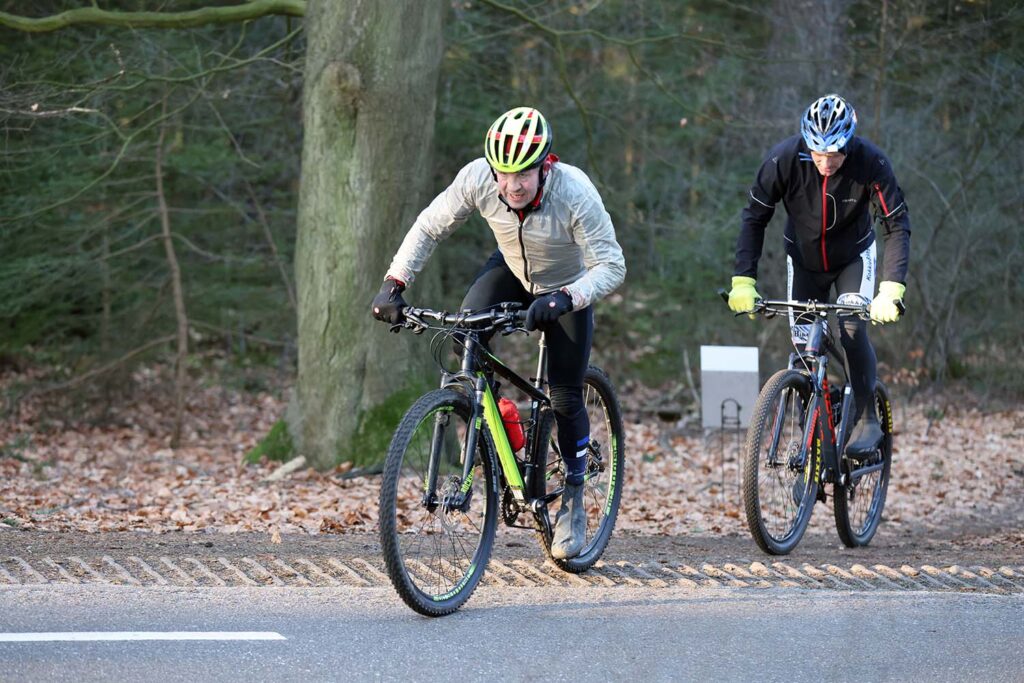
[724, 294]
[900, 306]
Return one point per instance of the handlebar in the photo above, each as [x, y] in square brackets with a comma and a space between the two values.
[770, 307]
[506, 317]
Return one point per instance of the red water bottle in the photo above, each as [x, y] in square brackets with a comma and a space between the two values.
[513, 427]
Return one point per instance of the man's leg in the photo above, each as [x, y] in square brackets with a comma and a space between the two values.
[803, 285]
[856, 285]
[569, 343]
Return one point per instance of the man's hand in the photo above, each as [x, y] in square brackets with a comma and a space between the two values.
[388, 304]
[884, 307]
[547, 309]
[743, 294]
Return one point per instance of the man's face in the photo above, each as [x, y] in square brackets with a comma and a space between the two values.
[519, 189]
[828, 163]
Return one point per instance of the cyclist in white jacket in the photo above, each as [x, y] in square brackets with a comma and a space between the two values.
[557, 254]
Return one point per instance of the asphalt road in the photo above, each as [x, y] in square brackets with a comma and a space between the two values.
[516, 634]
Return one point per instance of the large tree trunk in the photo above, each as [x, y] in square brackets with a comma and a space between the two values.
[808, 58]
[370, 90]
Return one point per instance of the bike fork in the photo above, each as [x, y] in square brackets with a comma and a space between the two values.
[441, 421]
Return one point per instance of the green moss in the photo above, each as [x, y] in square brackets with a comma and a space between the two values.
[369, 446]
[276, 445]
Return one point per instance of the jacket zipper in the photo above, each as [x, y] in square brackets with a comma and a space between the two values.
[522, 246]
[824, 221]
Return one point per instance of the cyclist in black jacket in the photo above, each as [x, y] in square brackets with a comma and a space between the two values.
[829, 181]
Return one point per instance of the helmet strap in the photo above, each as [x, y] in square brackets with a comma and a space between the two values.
[545, 168]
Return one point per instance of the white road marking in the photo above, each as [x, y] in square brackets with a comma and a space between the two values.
[137, 635]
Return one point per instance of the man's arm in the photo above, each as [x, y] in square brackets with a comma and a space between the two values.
[764, 194]
[891, 210]
[449, 210]
[602, 256]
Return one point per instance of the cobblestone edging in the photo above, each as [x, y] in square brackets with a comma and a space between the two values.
[359, 572]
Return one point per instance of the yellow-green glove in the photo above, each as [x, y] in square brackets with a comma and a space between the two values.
[883, 307]
[742, 295]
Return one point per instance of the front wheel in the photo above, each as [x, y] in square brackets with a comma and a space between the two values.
[858, 504]
[780, 475]
[605, 462]
[437, 540]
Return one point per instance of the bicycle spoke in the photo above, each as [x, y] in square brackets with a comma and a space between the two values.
[436, 542]
[777, 494]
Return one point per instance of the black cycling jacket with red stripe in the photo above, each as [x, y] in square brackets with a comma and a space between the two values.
[829, 220]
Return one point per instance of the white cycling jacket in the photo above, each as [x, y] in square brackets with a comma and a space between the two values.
[568, 242]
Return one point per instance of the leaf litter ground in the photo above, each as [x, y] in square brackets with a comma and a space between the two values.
[957, 469]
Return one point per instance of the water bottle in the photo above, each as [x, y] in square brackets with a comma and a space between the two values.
[513, 426]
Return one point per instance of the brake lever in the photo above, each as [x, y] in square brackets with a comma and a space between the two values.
[416, 325]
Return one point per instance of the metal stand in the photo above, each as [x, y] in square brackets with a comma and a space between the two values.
[730, 423]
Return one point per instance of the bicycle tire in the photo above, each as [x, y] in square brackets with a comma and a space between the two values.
[603, 487]
[778, 494]
[858, 505]
[436, 557]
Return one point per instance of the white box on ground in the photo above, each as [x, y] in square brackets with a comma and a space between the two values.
[728, 372]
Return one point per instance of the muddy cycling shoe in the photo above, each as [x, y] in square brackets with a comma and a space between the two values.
[865, 437]
[570, 524]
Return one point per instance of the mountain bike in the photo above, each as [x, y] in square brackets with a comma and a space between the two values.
[451, 472]
[797, 437]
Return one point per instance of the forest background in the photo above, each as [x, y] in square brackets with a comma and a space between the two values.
[150, 182]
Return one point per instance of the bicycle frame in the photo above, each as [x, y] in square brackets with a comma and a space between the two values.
[827, 437]
[472, 377]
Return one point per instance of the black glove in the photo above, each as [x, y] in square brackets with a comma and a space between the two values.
[547, 309]
[388, 304]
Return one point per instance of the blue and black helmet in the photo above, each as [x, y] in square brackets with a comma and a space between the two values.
[828, 124]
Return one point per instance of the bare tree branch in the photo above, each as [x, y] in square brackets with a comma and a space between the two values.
[110, 169]
[75, 381]
[207, 15]
[176, 285]
[561, 33]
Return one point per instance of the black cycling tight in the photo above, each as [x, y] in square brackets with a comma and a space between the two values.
[568, 343]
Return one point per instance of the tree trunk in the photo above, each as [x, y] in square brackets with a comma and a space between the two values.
[808, 57]
[369, 98]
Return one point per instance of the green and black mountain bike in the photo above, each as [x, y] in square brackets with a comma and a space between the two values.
[451, 471]
[796, 442]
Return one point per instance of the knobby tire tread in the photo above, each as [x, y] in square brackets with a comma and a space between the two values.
[412, 597]
[840, 503]
[759, 429]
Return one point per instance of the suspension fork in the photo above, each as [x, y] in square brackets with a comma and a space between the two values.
[442, 421]
[476, 411]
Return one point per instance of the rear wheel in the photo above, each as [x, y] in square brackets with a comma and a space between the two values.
[779, 479]
[437, 542]
[605, 461]
[858, 504]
